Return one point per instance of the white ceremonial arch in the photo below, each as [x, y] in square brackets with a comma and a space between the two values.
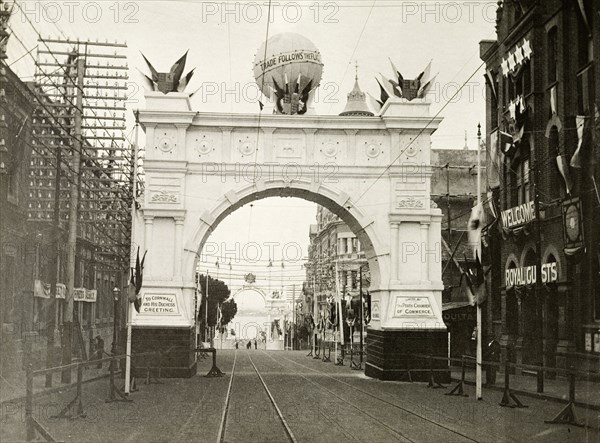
[200, 167]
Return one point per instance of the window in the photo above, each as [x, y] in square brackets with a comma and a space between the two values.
[524, 194]
[512, 308]
[518, 178]
[505, 91]
[584, 34]
[552, 55]
[12, 187]
[526, 79]
[511, 88]
[517, 11]
[511, 192]
[585, 90]
[7, 295]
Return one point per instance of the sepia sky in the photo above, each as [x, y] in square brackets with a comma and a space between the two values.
[223, 37]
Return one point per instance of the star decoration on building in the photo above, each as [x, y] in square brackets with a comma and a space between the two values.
[516, 58]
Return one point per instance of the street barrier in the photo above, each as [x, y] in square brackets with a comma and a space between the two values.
[327, 358]
[214, 370]
[65, 413]
[459, 388]
[74, 409]
[432, 381]
[115, 393]
[31, 424]
[567, 415]
[353, 365]
[317, 352]
[508, 395]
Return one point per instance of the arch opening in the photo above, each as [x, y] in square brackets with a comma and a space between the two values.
[357, 222]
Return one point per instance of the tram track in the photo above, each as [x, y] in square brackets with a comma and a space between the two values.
[232, 392]
[221, 434]
[312, 404]
[387, 402]
[398, 436]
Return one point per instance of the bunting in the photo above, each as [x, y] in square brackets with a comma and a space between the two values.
[563, 168]
[494, 161]
[491, 82]
[476, 223]
[582, 124]
[516, 58]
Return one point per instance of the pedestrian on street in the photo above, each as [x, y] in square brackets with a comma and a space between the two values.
[255, 345]
[249, 345]
[236, 344]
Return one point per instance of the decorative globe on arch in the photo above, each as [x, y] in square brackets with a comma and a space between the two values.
[288, 71]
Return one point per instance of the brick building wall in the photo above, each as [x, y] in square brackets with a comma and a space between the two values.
[565, 310]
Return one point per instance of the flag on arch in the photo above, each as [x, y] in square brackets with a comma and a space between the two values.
[135, 282]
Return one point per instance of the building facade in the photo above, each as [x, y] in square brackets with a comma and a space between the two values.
[334, 246]
[27, 247]
[542, 129]
[36, 124]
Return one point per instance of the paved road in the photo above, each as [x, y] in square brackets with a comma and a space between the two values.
[287, 396]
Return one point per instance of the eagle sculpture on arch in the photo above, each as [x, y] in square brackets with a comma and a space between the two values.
[171, 81]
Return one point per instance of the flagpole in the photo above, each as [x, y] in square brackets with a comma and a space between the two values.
[479, 356]
[338, 308]
[206, 310]
[133, 210]
[315, 311]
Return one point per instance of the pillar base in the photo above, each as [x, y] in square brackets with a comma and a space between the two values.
[176, 346]
[390, 354]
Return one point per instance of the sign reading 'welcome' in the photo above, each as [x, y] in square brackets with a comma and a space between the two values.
[519, 215]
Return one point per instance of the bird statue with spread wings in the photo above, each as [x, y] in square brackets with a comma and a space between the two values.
[171, 81]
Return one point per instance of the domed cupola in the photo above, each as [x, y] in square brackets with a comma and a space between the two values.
[357, 102]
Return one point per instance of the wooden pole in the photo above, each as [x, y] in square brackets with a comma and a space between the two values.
[133, 212]
[70, 313]
[479, 353]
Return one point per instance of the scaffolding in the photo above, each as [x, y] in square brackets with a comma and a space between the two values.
[79, 133]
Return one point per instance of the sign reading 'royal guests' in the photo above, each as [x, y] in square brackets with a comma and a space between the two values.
[519, 215]
[527, 275]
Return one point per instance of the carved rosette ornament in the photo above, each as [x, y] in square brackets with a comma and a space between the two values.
[246, 146]
[411, 151]
[330, 148]
[165, 144]
[373, 149]
[203, 145]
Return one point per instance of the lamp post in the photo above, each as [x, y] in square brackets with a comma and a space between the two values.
[116, 295]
